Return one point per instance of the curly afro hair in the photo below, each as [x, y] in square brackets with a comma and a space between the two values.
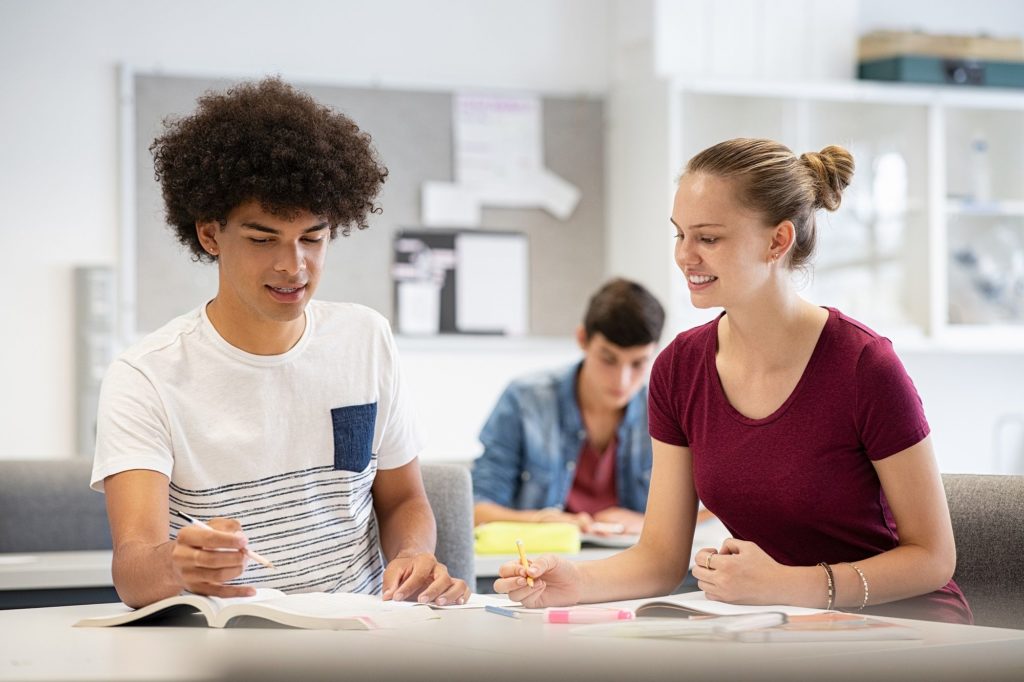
[265, 141]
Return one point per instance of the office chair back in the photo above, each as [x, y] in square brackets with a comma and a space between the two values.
[988, 525]
[46, 506]
[450, 492]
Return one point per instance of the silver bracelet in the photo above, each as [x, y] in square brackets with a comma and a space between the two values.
[864, 582]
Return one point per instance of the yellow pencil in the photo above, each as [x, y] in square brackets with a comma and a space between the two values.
[523, 561]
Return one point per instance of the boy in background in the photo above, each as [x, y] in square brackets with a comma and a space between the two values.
[572, 444]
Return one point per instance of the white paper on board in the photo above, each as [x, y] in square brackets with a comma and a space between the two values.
[491, 291]
[444, 204]
[419, 307]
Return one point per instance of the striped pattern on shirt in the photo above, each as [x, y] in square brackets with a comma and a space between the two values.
[316, 525]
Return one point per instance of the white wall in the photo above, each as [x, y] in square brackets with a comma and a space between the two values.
[770, 39]
[456, 382]
[59, 134]
[975, 406]
[1001, 18]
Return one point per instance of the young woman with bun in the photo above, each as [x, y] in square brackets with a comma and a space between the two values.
[793, 423]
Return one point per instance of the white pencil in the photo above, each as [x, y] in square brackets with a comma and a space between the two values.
[248, 552]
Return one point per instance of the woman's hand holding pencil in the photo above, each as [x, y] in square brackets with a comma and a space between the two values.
[547, 580]
[524, 562]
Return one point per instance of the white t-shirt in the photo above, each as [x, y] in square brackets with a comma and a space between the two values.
[287, 444]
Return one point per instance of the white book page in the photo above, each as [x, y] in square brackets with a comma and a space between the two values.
[698, 601]
[330, 611]
[479, 601]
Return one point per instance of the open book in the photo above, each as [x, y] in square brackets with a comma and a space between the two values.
[697, 604]
[311, 610]
[692, 615]
[829, 627]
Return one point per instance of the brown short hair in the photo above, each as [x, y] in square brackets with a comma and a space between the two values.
[625, 313]
[773, 181]
[268, 142]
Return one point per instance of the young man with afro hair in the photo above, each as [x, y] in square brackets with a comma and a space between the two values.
[279, 420]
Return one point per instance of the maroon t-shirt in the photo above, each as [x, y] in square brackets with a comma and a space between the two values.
[593, 488]
[799, 483]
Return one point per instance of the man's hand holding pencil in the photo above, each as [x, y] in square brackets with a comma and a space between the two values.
[206, 555]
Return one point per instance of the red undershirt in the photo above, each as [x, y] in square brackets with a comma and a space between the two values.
[594, 489]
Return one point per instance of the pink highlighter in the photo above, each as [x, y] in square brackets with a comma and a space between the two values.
[585, 614]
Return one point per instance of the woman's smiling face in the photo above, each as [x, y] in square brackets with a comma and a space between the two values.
[723, 249]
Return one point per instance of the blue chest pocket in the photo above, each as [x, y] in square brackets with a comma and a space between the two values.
[353, 436]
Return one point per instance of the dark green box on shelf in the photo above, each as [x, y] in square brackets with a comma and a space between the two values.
[939, 70]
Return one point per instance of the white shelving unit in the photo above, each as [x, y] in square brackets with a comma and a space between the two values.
[899, 253]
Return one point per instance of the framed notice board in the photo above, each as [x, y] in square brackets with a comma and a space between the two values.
[412, 131]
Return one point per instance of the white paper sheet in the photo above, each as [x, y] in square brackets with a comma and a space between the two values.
[491, 290]
[444, 204]
[499, 161]
[419, 307]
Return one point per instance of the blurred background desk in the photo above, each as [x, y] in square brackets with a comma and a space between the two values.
[55, 579]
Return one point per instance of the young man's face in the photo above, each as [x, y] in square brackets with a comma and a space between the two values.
[612, 374]
[269, 266]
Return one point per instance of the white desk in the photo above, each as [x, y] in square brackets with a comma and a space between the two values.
[55, 570]
[40, 644]
[55, 579]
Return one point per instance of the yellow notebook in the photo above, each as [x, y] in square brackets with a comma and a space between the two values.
[499, 537]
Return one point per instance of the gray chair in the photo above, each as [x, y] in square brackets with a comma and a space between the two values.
[988, 526]
[46, 506]
[450, 492]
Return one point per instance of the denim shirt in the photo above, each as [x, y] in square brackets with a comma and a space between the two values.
[534, 436]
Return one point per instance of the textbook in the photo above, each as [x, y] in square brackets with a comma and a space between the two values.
[311, 610]
[764, 626]
[697, 627]
[697, 604]
[830, 626]
[692, 615]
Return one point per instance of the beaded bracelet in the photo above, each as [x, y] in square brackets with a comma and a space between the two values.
[831, 585]
[864, 582]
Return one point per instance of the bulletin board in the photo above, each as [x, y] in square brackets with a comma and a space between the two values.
[412, 132]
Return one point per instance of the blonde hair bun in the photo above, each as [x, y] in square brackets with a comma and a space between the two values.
[832, 169]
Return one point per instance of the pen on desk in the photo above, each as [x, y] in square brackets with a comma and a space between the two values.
[522, 560]
[248, 552]
[508, 613]
[586, 615]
